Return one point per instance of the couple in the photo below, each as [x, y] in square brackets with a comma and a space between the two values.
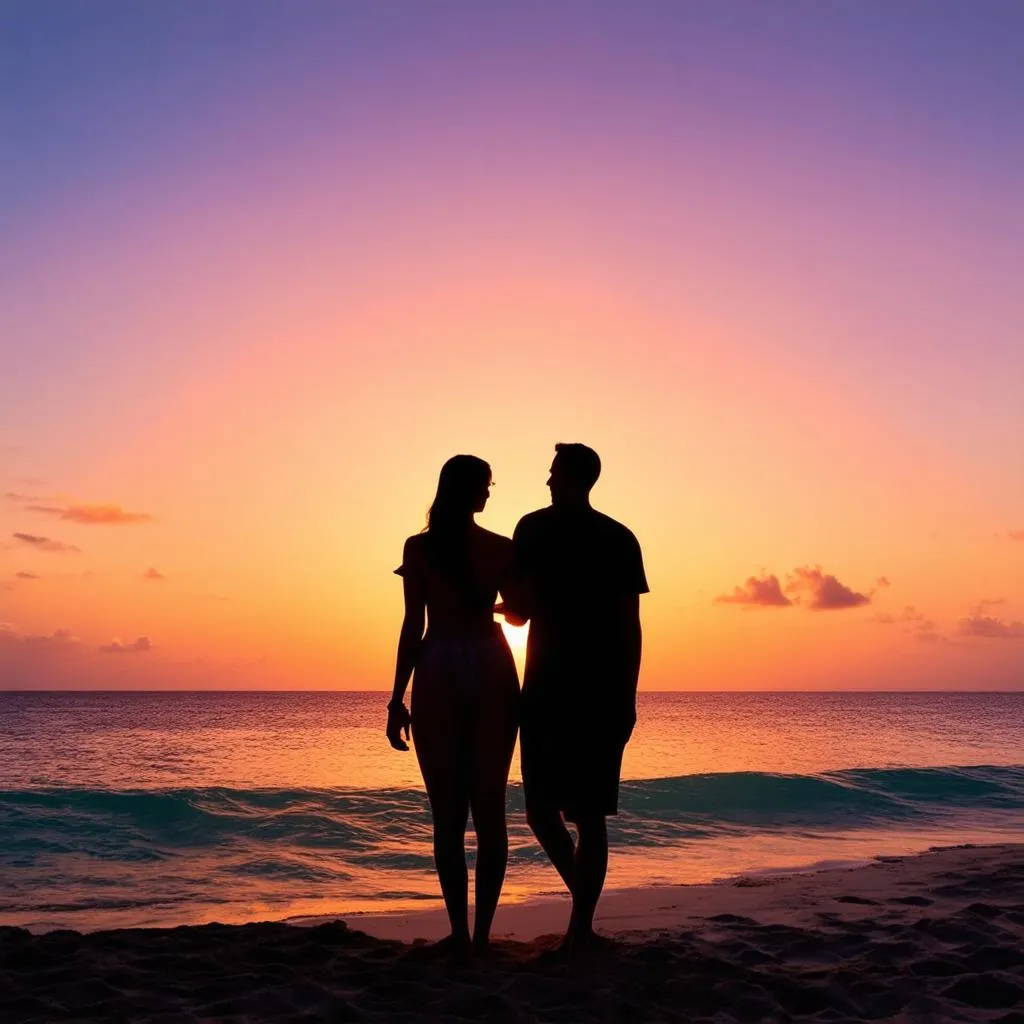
[575, 575]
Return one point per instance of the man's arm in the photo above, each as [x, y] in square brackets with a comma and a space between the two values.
[516, 589]
[632, 650]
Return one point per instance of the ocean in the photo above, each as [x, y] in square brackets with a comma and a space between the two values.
[145, 809]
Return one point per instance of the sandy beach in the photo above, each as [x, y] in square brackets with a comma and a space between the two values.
[933, 937]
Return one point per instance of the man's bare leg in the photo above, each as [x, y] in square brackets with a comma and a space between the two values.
[556, 841]
[589, 870]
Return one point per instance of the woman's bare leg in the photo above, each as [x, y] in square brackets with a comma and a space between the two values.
[496, 723]
[491, 860]
[437, 749]
[451, 812]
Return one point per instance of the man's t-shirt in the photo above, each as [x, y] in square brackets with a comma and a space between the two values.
[575, 566]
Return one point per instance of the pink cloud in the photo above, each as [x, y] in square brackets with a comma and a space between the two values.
[27, 576]
[153, 574]
[45, 543]
[765, 592]
[1016, 535]
[137, 646]
[92, 515]
[824, 592]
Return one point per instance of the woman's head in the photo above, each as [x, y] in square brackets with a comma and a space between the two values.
[462, 490]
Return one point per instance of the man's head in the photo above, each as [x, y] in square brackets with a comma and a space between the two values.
[574, 471]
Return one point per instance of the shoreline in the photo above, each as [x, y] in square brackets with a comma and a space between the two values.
[937, 936]
[656, 907]
[516, 919]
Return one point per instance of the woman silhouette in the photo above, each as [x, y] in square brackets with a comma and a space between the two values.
[465, 695]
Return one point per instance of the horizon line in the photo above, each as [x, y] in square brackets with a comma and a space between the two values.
[3, 690]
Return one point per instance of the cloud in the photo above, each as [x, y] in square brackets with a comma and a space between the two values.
[882, 582]
[60, 660]
[153, 574]
[92, 515]
[27, 576]
[60, 641]
[909, 614]
[139, 646]
[824, 592]
[34, 499]
[914, 623]
[925, 630]
[45, 543]
[9, 449]
[1016, 535]
[765, 592]
[989, 627]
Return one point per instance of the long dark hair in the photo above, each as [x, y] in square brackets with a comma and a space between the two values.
[463, 479]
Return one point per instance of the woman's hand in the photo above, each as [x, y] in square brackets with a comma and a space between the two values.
[399, 721]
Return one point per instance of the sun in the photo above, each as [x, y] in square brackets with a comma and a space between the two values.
[516, 636]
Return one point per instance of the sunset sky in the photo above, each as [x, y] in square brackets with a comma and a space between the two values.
[264, 266]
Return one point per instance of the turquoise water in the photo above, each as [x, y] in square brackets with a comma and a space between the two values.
[123, 809]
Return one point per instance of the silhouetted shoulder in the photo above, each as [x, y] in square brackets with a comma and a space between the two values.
[552, 518]
[533, 521]
[580, 549]
[627, 558]
[614, 527]
[412, 554]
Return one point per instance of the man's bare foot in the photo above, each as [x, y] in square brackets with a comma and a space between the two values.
[580, 942]
[457, 947]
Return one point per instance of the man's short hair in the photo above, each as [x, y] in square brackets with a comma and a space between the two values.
[580, 464]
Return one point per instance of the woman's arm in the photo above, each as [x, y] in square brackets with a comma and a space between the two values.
[408, 648]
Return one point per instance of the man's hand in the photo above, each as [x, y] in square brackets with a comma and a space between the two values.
[510, 616]
[399, 721]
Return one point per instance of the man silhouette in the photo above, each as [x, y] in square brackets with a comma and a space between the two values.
[578, 577]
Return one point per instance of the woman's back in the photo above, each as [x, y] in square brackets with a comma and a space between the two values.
[459, 586]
